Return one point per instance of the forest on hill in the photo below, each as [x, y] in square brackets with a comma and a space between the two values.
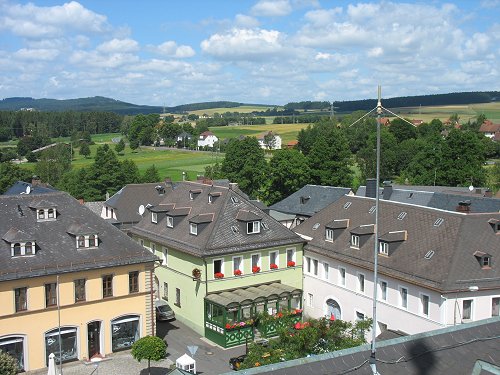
[102, 104]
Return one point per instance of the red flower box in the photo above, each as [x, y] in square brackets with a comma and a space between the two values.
[273, 266]
[237, 273]
[256, 269]
[290, 263]
[219, 275]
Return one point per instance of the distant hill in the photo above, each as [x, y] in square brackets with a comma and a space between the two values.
[94, 104]
[102, 104]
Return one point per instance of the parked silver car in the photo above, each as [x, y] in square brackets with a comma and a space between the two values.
[163, 310]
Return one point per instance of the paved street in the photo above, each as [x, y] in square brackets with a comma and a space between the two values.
[210, 359]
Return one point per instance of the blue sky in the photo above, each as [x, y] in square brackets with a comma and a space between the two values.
[262, 51]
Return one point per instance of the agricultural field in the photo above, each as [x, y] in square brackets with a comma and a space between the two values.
[287, 132]
[465, 112]
[241, 109]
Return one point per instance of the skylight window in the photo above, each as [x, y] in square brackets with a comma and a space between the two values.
[402, 215]
[372, 209]
[347, 205]
[234, 199]
[429, 254]
[438, 222]
[316, 226]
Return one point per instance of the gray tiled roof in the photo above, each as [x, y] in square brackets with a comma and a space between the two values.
[20, 188]
[453, 241]
[452, 350]
[95, 207]
[442, 197]
[225, 234]
[314, 198]
[126, 201]
[56, 250]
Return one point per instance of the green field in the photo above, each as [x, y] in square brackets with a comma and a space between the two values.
[287, 132]
[465, 112]
[241, 109]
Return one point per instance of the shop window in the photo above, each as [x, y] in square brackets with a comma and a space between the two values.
[14, 346]
[124, 332]
[69, 344]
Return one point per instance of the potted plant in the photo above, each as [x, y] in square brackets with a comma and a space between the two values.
[290, 263]
[196, 273]
[255, 269]
[219, 275]
[237, 273]
[273, 266]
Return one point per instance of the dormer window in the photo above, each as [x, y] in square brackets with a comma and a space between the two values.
[194, 193]
[253, 227]
[22, 249]
[170, 221]
[483, 259]
[209, 198]
[87, 241]
[383, 248]
[45, 214]
[329, 235]
[154, 217]
[193, 228]
[355, 241]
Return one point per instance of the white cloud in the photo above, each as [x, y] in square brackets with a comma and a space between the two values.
[246, 22]
[118, 46]
[95, 59]
[490, 4]
[244, 44]
[272, 8]
[31, 21]
[375, 52]
[36, 54]
[171, 49]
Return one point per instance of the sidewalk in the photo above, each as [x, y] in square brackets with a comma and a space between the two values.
[210, 359]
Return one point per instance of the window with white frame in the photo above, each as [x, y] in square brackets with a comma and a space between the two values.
[329, 234]
[383, 248]
[22, 248]
[273, 260]
[495, 306]
[238, 264]
[403, 297]
[360, 315]
[255, 260]
[154, 217]
[383, 290]
[164, 255]
[310, 299]
[308, 264]
[326, 271]
[361, 282]
[425, 301]
[170, 221]
[290, 256]
[193, 228]
[355, 241]
[342, 276]
[253, 227]
[315, 267]
[46, 214]
[467, 309]
[89, 240]
[218, 266]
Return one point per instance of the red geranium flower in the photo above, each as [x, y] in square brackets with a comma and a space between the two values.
[273, 266]
[255, 269]
[237, 272]
[219, 275]
[290, 263]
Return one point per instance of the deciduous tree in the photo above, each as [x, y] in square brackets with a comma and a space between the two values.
[151, 348]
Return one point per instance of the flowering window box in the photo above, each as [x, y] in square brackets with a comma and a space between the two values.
[255, 269]
[290, 263]
[219, 275]
[273, 266]
[237, 273]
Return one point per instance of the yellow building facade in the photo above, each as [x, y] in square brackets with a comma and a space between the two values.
[96, 325]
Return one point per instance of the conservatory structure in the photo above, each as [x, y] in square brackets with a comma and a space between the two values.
[232, 317]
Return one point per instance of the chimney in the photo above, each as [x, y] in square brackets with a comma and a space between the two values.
[488, 194]
[387, 190]
[168, 181]
[371, 185]
[463, 206]
[35, 181]
[478, 191]
[233, 186]
[81, 200]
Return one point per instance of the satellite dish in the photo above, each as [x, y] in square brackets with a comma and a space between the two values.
[471, 188]
[141, 209]
[28, 189]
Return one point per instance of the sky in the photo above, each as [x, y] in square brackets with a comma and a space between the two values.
[170, 52]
